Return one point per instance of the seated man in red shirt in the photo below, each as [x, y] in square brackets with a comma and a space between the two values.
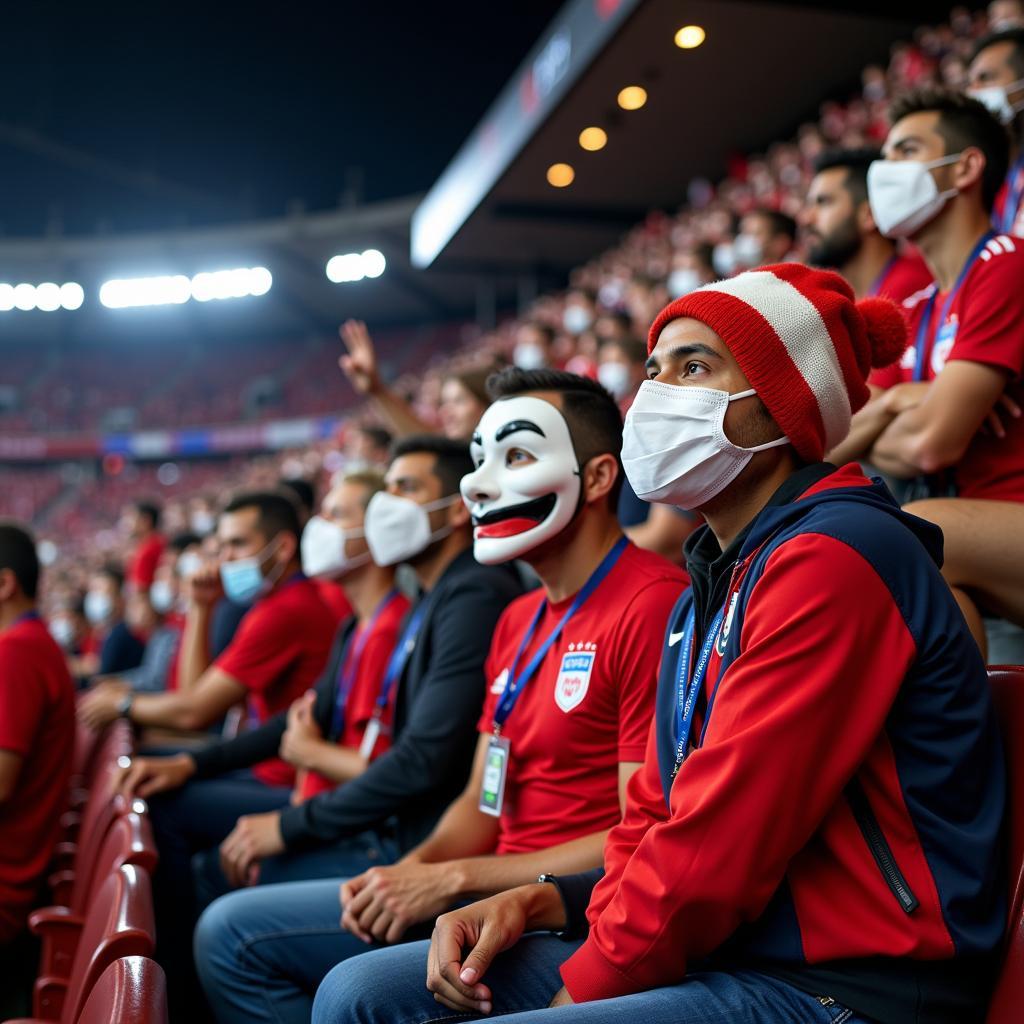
[840, 233]
[571, 676]
[37, 732]
[142, 520]
[949, 416]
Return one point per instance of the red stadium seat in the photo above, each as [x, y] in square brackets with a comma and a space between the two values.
[132, 990]
[128, 841]
[1008, 691]
[119, 924]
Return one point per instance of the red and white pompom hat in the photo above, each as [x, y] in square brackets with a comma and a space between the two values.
[802, 341]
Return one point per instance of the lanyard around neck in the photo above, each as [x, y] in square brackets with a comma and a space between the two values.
[690, 679]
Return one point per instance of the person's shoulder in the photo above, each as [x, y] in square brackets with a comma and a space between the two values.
[1001, 259]
[643, 567]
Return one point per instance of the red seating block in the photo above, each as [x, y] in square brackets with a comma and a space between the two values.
[132, 990]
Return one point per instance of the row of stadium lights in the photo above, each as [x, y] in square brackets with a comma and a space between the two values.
[176, 289]
[632, 97]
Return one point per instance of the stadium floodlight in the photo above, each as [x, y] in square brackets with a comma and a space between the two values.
[176, 289]
[72, 295]
[349, 267]
[6, 298]
[46, 297]
[24, 297]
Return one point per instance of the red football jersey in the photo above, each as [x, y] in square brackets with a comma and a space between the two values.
[278, 653]
[362, 698]
[587, 708]
[906, 274]
[984, 324]
[37, 722]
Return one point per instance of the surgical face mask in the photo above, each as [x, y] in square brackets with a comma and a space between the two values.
[576, 319]
[202, 522]
[903, 194]
[616, 378]
[748, 251]
[189, 564]
[98, 606]
[674, 448]
[398, 529]
[528, 356]
[161, 596]
[723, 259]
[526, 485]
[324, 549]
[683, 281]
[996, 98]
[63, 632]
[243, 579]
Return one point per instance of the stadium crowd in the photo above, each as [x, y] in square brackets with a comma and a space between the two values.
[587, 672]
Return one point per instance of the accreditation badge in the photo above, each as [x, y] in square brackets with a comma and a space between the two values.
[370, 737]
[492, 792]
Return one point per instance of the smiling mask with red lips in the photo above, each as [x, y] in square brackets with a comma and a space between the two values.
[526, 485]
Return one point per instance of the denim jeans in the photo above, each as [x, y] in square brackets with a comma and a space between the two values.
[262, 952]
[386, 986]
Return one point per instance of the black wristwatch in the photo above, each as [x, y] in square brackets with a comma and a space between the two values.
[552, 880]
[124, 706]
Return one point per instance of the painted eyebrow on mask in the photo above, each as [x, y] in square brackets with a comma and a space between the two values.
[515, 426]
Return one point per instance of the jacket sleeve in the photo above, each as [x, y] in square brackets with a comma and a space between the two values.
[441, 718]
[793, 717]
[262, 743]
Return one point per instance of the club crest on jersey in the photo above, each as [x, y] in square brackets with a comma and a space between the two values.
[498, 686]
[574, 675]
[944, 341]
[723, 633]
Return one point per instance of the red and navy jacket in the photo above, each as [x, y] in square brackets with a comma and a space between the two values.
[841, 804]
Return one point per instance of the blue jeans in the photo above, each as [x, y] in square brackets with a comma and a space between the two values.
[262, 952]
[386, 986]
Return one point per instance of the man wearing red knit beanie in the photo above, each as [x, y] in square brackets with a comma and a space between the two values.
[815, 832]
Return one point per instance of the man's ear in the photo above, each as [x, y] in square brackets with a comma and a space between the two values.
[968, 170]
[599, 476]
[458, 514]
[8, 584]
[865, 220]
[288, 547]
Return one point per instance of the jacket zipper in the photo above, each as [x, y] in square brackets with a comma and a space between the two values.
[879, 847]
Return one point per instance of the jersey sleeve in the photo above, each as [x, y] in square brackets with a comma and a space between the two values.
[22, 702]
[991, 330]
[262, 649]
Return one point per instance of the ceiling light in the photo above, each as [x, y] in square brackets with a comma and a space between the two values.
[593, 139]
[633, 97]
[560, 175]
[689, 37]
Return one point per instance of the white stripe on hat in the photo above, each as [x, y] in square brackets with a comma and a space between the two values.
[800, 328]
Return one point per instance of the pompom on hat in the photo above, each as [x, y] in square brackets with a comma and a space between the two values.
[802, 341]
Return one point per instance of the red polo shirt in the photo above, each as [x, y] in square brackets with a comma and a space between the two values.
[146, 558]
[37, 721]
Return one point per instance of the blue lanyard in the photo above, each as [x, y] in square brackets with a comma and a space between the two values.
[350, 664]
[920, 342]
[32, 616]
[689, 688]
[876, 286]
[515, 683]
[1014, 195]
[400, 655]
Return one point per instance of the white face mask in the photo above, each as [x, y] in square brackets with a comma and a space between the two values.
[576, 319]
[398, 529]
[528, 357]
[683, 281]
[324, 549]
[98, 606]
[674, 448]
[748, 251]
[723, 259]
[63, 632]
[519, 506]
[161, 597]
[903, 194]
[189, 564]
[996, 98]
[614, 377]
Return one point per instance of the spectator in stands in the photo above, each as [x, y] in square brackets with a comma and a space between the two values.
[997, 80]
[945, 160]
[1005, 14]
[544, 491]
[142, 523]
[37, 733]
[580, 311]
[463, 401]
[304, 495]
[840, 232]
[533, 346]
[766, 236]
[321, 734]
[120, 648]
[719, 893]
[278, 651]
[70, 629]
[422, 521]
[368, 447]
[615, 325]
[691, 268]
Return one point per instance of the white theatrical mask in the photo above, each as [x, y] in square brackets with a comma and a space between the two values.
[526, 485]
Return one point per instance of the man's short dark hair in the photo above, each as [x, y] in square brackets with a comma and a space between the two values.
[452, 460]
[151, 510]
[963, 122]
[780, 223]
[18, 553]
[301, 489]
[113, 572]
[275, 512]
[633, 349]
[542, 328]
[183, 541]
[595, 422]
[856, 163]
[377, 436]
[1009, 35]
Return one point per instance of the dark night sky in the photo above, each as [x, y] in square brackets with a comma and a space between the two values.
[240, 107]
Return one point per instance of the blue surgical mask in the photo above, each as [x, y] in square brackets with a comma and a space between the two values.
[243, 579]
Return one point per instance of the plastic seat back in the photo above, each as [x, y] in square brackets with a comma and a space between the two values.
[132, 990]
